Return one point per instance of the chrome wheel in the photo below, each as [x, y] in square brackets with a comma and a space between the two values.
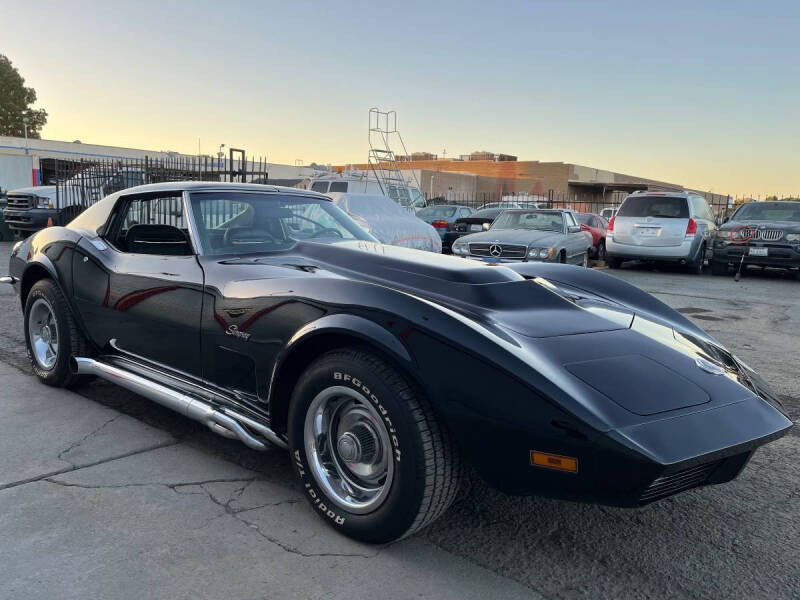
[43, 334]
[348, 449]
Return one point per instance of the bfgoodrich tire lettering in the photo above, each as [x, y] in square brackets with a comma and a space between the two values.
[45, 293]
[425, 466]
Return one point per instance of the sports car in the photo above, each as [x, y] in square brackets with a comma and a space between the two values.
[267, 314]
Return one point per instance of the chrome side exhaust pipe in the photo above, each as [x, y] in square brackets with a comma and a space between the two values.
[228, 424]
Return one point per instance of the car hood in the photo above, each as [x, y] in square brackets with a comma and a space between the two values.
[495, 295]
[41, 190]
[523, 237]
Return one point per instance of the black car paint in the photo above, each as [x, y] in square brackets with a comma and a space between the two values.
[490, 346]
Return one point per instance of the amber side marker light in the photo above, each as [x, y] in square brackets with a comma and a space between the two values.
[554, 461]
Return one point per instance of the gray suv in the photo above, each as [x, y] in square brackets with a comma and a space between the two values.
[676, 227]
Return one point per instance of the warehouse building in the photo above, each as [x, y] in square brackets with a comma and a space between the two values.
[495, 175]
[32, 162]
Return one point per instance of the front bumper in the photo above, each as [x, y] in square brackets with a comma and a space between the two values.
[32, 219]
[630, 466]
[778, 255]
[686, 251]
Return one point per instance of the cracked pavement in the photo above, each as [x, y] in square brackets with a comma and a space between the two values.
[105, 494]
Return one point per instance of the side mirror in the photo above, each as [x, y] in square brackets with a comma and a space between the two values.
[574, 229]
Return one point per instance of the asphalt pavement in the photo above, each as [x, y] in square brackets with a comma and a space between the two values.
[105, 494]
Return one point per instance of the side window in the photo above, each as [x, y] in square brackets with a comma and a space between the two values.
[338, 186]
[593, 222]
[570, 219]
[150, 225]
[320, 186]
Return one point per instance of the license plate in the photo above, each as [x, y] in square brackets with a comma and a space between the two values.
[476, 227]
[759, 251]
[648, 231]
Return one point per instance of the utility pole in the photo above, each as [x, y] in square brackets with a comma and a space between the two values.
[25, 125]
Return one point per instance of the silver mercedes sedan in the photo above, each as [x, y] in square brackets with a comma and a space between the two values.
[529, 235]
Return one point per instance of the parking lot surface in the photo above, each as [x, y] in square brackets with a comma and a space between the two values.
[104, 494]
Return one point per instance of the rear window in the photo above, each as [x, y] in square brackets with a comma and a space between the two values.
[437, 211]
[338, 186]
[655, 206]
[320, 186]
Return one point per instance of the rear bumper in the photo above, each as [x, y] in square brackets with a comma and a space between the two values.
[685, 252]
[778, 255]
[636, 465]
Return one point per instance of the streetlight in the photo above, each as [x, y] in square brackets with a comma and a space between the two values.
[220, 154]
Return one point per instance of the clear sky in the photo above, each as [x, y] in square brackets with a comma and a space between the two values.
[701, 93]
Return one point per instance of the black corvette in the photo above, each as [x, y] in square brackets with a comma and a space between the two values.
[268, 315]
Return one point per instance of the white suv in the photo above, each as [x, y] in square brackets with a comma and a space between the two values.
[673, 227]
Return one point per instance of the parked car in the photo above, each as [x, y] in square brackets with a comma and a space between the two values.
[766, 234]
[596, 226]
[406, 194]
[675, 227]
[529, 235]
[607, 213]
[389, 222]
[510, 204]
[480, 220]
[381, 368]
[443, 219]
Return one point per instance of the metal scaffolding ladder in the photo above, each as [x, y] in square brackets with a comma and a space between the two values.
[382, 159]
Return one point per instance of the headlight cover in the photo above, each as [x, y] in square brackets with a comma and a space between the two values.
[460, 248]
[43, 202]
[793, 237]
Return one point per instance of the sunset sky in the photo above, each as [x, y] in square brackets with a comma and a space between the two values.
[704, 94]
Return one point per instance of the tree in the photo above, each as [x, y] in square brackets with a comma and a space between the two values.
[15, 104]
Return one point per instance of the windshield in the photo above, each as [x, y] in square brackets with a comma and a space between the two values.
[253, 223]
[437, 212]
[757, 211]
[541, 221]
[662, 207]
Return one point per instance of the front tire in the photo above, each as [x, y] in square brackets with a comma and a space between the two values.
[601, 250]
[373, 460]
[52, 335]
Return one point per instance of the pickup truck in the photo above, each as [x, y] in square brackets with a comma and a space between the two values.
[30, 209]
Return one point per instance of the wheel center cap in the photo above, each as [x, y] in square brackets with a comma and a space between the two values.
[46, 336]
[349, 448]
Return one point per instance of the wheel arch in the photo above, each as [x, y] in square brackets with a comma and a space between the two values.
[35, 271]
[325, 334]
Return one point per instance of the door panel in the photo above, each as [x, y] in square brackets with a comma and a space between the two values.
[150, 305]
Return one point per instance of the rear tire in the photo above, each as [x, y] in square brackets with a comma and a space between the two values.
[344, 410]
[719, 268]
[696, 267]
[52, 335]
[613, 263]
[601, 250]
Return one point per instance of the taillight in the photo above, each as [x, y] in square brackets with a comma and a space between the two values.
[611, 223]
[441, 224]
[691, 228]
